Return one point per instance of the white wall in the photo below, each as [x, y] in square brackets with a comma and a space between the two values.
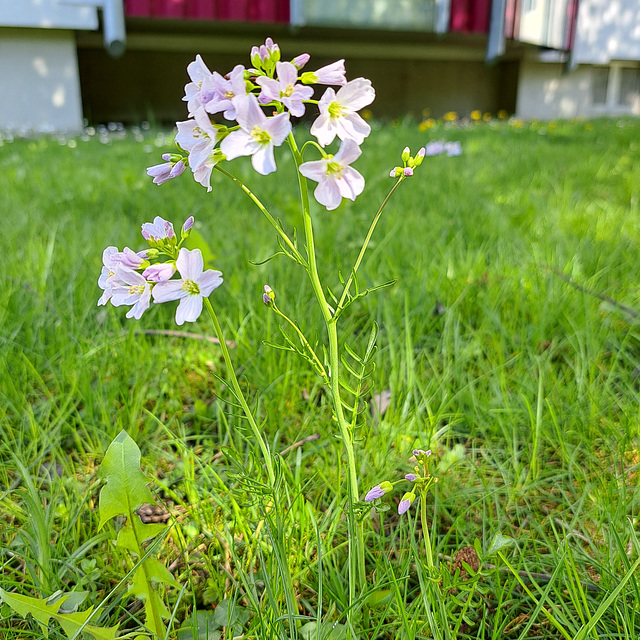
[52, 14]
[39, 85]
[607, 30]
[546, 92]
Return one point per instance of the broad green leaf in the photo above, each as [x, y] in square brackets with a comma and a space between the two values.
[43, 612]
[205, 627]
[126, 487]
[499, 542]
[134, 532]
[379, 598]
[39, 609]
[230, 614]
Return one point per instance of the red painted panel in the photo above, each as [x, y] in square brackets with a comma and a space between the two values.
[572, 19]
[223, 10]
[136, 8]
[470, 16]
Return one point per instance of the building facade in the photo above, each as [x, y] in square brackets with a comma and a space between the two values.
[124, 60]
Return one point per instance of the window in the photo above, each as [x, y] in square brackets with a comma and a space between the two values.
[599, 85]
[629, 87]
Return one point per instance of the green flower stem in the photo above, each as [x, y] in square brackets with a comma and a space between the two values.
[321, 369]
[265, 212]
[239, 395]
[365, 244]
[357, 573]
[425, 529]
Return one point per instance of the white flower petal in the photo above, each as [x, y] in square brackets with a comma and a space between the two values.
[238, 143]
[315, 170]
[356, 94]
[351, 184]
[190, 264]
[328, 194]
[324, 130]
[167, 291]
[263, 160]
[209, 281]
[189, 309]
[349, 152]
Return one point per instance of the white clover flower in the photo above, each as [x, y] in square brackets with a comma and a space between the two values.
[257, 135]
[132, 289]
[194, 285]
[338, 115]
[284, 89]
[336, 180]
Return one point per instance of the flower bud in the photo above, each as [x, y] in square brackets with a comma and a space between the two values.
[187, 226]
[396, 172]
[407, 172]
[300, 61]
[268, 296]
[417, 161]
[406, 502]
[411, 477]
[406, 154]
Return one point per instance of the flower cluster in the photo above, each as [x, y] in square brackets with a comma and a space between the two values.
[409, 163]
[421, 480]
[133, 279]
[260, 101]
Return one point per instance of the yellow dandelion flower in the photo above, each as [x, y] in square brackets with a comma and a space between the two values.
[367, 114]
[426, 124]
[426, 112]
[450, 116]
[487, 117]
[502, 114]
[476, 115]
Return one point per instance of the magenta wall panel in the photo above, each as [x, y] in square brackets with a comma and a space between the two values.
[470, 16]
[222, 10]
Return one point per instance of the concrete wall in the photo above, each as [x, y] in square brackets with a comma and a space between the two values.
[607, 30]
[39, 84]
[547, 92]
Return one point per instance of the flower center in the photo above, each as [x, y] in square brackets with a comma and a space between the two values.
[287, 92]
[336, 110]
[191, 287]
[229, 95]
[260, 135]
[136, 289]
[334, 169]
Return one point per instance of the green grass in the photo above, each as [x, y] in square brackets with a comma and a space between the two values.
[524, 385]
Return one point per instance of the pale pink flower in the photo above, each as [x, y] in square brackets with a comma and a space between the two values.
[194, 285]
[167, 170]
[336, 180]
[159, 229]
[268, 51]
[199, 74]
[338, 115]
[111, 258]
[132, 289]
[159, 272]
[285, 89]
[257, 135]
[224, 90]
[333, 73]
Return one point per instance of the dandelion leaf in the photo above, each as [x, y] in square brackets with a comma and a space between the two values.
[134, 532]
[42, 611]
[126, 486]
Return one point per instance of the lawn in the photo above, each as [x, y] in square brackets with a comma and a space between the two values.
[508, 345]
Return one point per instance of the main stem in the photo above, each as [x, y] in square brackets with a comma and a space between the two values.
[357, 572]
[425, 529]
